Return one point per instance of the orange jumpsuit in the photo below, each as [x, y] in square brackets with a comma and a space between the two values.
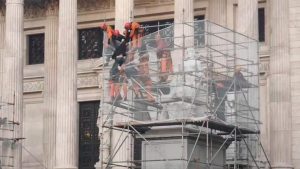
[136, 32]
[165, 59]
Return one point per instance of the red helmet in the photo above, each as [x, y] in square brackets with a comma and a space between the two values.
[127, 25]
[116, 33]
[103, 26]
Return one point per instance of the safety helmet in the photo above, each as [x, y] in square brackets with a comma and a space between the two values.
[116, 33]
[103, 26]
[127, 25]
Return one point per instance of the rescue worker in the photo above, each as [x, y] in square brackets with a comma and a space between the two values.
[116, 77]
[109, 31]
[165, 59]
[134, 31]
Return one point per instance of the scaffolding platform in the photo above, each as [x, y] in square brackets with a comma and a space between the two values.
[207, 122]
[199, 75]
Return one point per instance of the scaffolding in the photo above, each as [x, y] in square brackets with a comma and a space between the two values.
[7, 136]
[192, 100]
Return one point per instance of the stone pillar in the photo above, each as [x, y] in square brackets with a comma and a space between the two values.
[2, 36]
[2, 29]
[67, 107]
[247, 18]
[280, 91]
[13, 77]
[123, 13]
[217, 12]
[50, 87]
[183, 30]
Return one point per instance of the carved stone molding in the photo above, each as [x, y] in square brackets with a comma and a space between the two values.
[33, 86]
[34, 9]
[52, 7]
[151, 2]
[83, 81]
[264, 67]
[87, 81]
[89, 5]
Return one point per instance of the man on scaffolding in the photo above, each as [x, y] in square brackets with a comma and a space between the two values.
[118, 77]
[134, 32]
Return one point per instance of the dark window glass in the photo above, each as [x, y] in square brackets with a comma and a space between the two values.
[261, 24]
[90, 43]
[88, 135]
[36, 46]
[199, 30]
[199, 17]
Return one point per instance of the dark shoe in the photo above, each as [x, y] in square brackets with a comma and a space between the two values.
[119, 98]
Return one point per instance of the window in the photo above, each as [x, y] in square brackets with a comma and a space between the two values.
[36, 46]
[90, 43]
[199, 30]
[261, 24]
[199, 17]
[154, 26]
[89, 141]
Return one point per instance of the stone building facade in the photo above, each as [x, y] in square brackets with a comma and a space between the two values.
[45, 51]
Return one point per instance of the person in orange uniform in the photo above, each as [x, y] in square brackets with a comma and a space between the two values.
[165, 59]
[134, 31]
[109, 31]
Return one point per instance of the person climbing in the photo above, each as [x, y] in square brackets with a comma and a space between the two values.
[109, 31]
[109, 42]
[134, 31]
[116, 77]
[165, 59]
[131, 71]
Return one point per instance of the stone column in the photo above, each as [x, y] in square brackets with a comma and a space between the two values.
[13, 77]
[2, 36]
[183, 30]
[217, 12]
[280, 91]
[50, 87]
[247, 18]
[123, 13]
[67, 107]
[2, 29]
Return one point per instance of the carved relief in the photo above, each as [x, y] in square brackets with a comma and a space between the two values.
[166, 1]
[33, 86]
[83, 81]
[34, 9]
[88, 5]
[143, 2]
[264, 67]
[52, 7]
[87, 81]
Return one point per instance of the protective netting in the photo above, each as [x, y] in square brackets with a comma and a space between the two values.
[184, 71]
[164, 74]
